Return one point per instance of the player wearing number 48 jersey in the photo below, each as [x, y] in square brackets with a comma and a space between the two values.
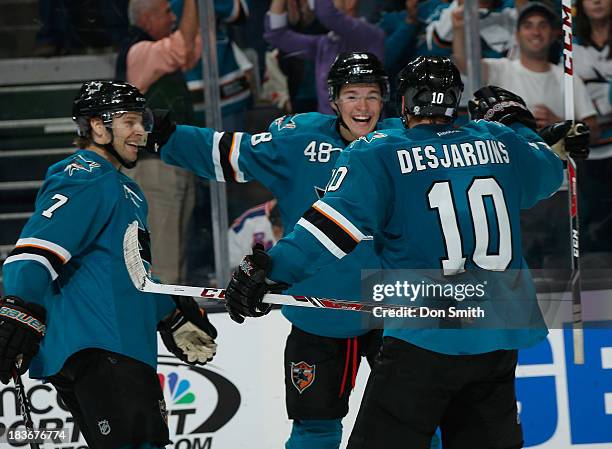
[444, 199]
[294, 160]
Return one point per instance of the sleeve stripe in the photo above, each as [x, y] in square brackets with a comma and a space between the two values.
[234, 158]
[36, 258]
[321, 237]
[225, 147]
[332, 230]
[340, 220]
[59, 251]
[54, 260]
[216, 156]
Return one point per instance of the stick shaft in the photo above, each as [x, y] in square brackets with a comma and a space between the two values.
[572, 178]
[24, 406]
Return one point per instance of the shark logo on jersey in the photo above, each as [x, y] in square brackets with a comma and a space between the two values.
[370, 137]
[130, 194]
[290, 123]
[80, 163]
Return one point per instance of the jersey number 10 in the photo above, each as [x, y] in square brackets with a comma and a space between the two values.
[440, 197]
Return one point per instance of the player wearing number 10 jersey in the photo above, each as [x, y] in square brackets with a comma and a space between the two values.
[448, 200]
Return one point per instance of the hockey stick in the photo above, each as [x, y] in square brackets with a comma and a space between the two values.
[143, 282]
[572, 185]
[24, 406]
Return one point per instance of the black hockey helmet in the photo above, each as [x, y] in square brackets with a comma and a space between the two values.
[429, 86]
[356, 68]
[106, 98]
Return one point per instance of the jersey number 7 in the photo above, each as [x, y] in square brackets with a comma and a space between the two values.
[440, 197]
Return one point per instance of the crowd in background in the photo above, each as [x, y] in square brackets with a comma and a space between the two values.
[290, 44]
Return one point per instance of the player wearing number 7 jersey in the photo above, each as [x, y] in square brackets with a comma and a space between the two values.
[69, 293]
[444, 199]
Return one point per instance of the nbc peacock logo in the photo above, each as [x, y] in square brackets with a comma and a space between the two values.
[200, 399]
[178, 389]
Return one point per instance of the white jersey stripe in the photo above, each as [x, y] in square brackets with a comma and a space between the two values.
[53, 247]
[327, 243]
[36, 258]
[349, 227]
[235, 157]
[216, 156]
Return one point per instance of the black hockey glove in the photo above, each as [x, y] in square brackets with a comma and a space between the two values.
[248, 286]
[188, 334]
[163, 127]
[495, 104]
[22, 327]
[565, 138]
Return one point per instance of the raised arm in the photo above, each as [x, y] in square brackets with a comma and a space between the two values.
[189, 22]
[277, 33]
[357, 31]
[459, 55]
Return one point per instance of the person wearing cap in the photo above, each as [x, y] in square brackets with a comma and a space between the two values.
[531, 76]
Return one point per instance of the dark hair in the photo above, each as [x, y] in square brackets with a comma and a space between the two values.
[583, 29]
[82, 142]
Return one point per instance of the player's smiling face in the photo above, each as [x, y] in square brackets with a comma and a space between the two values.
[129, 134]
[360, 106]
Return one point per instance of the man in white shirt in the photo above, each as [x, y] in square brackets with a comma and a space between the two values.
[531, 76]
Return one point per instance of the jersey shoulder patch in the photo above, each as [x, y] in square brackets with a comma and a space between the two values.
[369, 139]
[307, 122]
[80, 164]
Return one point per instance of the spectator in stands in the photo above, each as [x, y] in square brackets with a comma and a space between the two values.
[261, 224]
[153, 59]
[347, 33]
[593, 58]
[497, 23]
[235, 70]
[593, 64]
[405, 36]
[300, 73]
[530, 76]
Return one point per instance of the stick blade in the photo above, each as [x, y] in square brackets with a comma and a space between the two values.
[131, 256]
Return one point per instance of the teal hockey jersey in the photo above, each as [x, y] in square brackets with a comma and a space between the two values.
[441, 199]
[293, 160]
[69, 259]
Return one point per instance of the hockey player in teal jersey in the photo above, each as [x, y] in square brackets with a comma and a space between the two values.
[294, 160]
[432, 195]
[70, 308]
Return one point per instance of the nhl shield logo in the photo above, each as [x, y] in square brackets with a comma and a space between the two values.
[104, 427]
[302, 375]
